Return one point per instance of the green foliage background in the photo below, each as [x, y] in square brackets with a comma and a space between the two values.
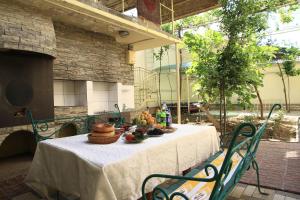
[230, 62]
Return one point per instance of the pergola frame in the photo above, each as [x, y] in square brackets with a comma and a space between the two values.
[185, 8]
[176, 56]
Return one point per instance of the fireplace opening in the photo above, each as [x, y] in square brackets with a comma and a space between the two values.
[17, 143]
[26, 83]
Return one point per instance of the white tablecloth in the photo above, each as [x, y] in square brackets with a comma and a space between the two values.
[116, 171]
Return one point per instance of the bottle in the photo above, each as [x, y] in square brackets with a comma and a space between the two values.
[169, 118]
[157, 116]
[163, 117]
[164, 107]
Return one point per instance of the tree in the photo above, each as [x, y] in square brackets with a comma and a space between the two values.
[189, 23]
[205, 50]
[158, 56]
[260, 57]
[286, 62]
[240, 20]
[228, 66]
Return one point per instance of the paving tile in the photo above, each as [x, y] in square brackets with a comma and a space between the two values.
[278, 197]
[277, 170]
[249, 190]
[237, 191]
[270, 193]
[292, 195]
[254, 198]
[289, 198]
[256, 194]
[283, 193]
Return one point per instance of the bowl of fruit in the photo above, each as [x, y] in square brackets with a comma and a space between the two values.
[155, 132]
[139, 135]
[145, 119]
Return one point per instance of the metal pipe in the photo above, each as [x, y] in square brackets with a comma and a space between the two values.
[166, 7]
[160, 14]
[172, 10]
[178, 85]
[188, 92]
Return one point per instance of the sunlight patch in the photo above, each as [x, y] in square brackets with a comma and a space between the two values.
[291, 154]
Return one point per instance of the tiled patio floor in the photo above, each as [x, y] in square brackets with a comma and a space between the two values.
[241, 192]
[249, 192]
[279, 166]
[279, 163]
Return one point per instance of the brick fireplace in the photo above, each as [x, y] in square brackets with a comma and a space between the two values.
[90, 72]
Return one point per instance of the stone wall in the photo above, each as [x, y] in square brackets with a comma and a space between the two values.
[23, 28]
[80, 54]
[84, 55]
[65, 111]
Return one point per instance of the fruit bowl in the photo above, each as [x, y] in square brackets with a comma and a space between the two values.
[102, 140]
[135, 137]
[103, 134]
[155, 132]
[103, 128]
[135, 141]
[144, 119]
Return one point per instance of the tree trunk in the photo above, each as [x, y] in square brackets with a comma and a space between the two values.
[289, 94]
[221, 110]
[225, 113]
[260, 102]
[210, 117]
[284, 86]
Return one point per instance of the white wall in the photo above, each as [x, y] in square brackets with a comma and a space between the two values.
[103, 96]
[69, 93]
[125, 96]
[97, 96]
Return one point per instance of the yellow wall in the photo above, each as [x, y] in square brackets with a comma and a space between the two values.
[272, 91]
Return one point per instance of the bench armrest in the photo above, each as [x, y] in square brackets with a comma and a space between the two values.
[186, 178]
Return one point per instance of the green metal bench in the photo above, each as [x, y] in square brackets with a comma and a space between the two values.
[49, 128]
[216, 178]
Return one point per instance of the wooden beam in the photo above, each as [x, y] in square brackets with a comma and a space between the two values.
[188, 8]
[182, 8]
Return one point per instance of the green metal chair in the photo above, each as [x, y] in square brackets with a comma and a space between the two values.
[235, 161]
[49, 128]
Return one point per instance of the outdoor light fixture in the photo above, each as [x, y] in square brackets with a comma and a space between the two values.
[123, 34]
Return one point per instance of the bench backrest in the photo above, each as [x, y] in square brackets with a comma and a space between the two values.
[247, 149]
[261, 130]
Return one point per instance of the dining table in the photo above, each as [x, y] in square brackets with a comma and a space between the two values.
[116, 171]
